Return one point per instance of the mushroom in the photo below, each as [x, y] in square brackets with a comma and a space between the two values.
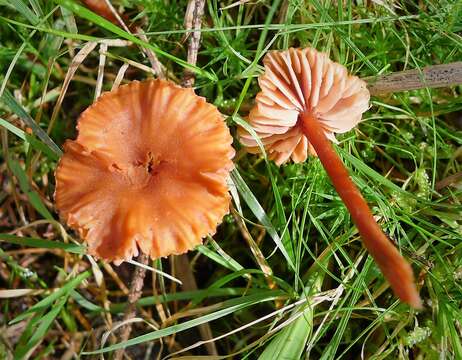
[147, 171]
[305, 99]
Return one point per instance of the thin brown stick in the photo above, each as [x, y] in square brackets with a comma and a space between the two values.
[395, 269]
[433, 76]
[136, 289]
[186, 275]
[193, 20]
[194, 38]
[258, 255]
[448, 181]
[155, 63]
[105, 9]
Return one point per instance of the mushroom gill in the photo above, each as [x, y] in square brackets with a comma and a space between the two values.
[300, 81]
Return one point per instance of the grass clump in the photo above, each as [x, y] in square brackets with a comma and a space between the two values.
[323, 298]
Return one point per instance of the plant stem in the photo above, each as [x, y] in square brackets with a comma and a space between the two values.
[136, 290]
[433, 76]
[395, 269]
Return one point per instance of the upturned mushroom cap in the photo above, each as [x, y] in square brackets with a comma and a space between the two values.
[298, 81]
[147, 171]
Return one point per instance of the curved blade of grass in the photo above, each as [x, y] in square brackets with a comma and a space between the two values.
[360, 165]
[232, 306]
[34, 197]
[44, 322]
[185, 295]
[100, 21]
[11, 102]
[42, 243]
[79, 299]
[64, 34]
[290, 342]
[244, 273]
[286, 240]
[259, 213]
[30, 139]
[22, 8]
[43, 304]
[165, 298]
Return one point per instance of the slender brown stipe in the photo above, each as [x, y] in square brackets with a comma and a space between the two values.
[394, 267]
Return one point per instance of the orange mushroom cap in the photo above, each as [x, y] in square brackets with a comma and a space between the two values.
[148, 170]
[299, 81]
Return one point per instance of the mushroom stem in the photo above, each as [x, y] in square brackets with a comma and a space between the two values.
[394, 267]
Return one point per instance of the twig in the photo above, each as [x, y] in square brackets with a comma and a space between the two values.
[448, 181]
[100, 78]
[193, 18]
[259, 257]
[433, 76]
[115, 14]
[105, 9]
[155, 63]
[194, 38]
[184, 272]
[136, 288]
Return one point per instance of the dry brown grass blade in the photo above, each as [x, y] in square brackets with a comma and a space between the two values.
[105, 9]
[448, 181]
[155, 63]
[102, 63]
[197, 8]
[76, 61]
[258, 255]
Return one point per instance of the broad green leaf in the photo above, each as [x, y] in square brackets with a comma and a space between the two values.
[290, 342]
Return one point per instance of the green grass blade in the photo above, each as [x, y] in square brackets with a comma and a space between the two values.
[232, 306]
[34, 198]
[11, 102]
[100, 21]
[44, 303]
[289, 343]
[44, 323]
[30, 139]
[259, 213]
[22, 8]
[42, 243]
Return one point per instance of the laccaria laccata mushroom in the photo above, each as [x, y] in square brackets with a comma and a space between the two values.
[305, 99]
[148, 171]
